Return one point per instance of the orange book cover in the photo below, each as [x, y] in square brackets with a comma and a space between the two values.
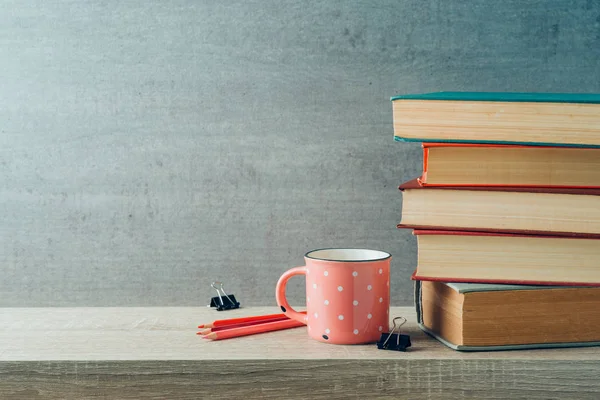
[426, 146]
[415, 184]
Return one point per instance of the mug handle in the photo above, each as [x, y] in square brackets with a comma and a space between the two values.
[280, 295]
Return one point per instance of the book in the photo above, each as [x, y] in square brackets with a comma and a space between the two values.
[459, 256]
[558, 211]
[475, 317]
[447, 164]
[539, 119]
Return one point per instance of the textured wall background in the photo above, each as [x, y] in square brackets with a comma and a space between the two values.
[148, 148]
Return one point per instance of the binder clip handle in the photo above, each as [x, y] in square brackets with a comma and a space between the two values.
[394, 341]
[223, 301]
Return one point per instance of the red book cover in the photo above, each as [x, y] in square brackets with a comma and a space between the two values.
[414, 184]
[595, 191]
[454, 232]
[415, 275]
[426, 146]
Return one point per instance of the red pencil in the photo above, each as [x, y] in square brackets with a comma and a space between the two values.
[254, 329]
[249, 323]
[234, 321]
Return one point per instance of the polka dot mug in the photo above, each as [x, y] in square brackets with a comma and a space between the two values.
[347, 295]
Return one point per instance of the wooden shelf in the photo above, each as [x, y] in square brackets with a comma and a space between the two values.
[154, 352]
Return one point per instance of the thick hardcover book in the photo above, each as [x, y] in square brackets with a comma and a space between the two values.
[453, 164]
[486, 317]
[559, 211]
[537, 119]
[482, 257]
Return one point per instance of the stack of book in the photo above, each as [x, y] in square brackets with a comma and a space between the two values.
[507, 217]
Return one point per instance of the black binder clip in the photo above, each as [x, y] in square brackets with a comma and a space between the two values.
[223, 301]
[394, 341]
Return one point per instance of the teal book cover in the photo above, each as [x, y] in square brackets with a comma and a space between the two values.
[511, 97]
[585, 98]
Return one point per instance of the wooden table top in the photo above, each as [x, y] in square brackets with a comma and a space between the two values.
[156, 351]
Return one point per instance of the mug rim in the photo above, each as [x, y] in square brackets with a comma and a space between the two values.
[307, 255]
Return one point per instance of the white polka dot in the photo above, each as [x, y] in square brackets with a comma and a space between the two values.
[355, 302]
[341, 317]
[369, 316]
[381, 299]
[355, 273]
[325, 273]
[326, 302]
[316, 315]
[308, 272]
[369, 287]
[356, 331]
[314, 285]
[380, 328]
[340, 288]
[308, 299]
[380, 271]
[327, 331]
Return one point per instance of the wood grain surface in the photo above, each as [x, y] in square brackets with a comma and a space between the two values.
[128, 353]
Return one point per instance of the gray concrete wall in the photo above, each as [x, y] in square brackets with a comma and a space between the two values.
[150, 147]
